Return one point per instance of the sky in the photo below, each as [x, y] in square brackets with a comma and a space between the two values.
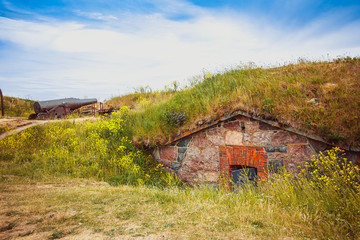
[53, 49]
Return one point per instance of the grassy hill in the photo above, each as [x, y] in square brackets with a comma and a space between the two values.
[17, 107]
[322, 98]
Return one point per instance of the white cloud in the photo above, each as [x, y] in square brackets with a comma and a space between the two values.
[96, 15]
[65, 58]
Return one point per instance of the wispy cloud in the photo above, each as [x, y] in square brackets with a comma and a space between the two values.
[63, 58]
[96, 15]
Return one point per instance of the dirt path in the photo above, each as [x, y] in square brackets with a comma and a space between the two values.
[18, 125]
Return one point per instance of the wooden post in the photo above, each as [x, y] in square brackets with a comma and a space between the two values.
[2, 104]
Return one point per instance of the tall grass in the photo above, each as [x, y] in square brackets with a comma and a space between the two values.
[101, 150]
[326, 192]
[17, 107]
[323, 201]
[319, 97]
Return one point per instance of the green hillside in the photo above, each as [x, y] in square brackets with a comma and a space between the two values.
[17, 107]
[322, 98]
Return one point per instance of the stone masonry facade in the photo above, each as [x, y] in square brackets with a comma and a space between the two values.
[239, 142]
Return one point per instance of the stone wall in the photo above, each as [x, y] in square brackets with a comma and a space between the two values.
[196, 158]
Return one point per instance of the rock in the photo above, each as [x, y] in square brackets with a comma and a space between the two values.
[282, 149]
[156, 154]
[265, 126]
[314, 101]
[184, 142]
[217, 140]
[180, 157]
[285, 138]
[182, 150]
[251, 126]
[168, 153]
[187, 177]
[234, 138]
[262, 138]
[210, 155]
[276, 156]
[276, 166]
[165, 163]
[200, 140]
[216, 131]
[292, 165]
[235, 126]
[208, 176]
[175, 165]
[205, 160]
[300, 151]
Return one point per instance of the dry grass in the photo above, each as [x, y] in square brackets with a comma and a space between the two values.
[17, 107]
[322, 98]
[84, 209]
[137, 101]
[10, 124]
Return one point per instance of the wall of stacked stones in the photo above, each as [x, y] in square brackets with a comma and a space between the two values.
[195, 159]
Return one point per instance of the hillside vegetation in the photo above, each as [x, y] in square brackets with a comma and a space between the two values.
[100, 150]
[17, 107]
[322, 98]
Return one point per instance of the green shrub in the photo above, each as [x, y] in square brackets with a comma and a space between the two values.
[268, 105]
[175, 118]
[327, 189]
[101, 150]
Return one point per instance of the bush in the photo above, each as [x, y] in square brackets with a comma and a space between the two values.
[101, 150]
[327, 188]
[332, 169]
[268, 105]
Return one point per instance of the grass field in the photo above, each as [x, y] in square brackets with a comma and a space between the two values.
[83, 209]
[66, 180]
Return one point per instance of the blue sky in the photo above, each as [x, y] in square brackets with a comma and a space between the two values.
[82, 48]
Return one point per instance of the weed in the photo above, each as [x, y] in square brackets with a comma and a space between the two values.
[257, 223]
[7, 227]
[126, 215]
[57, 234]
[26, 233]
[268, 105]
[17, 107]
[175, 118]
[101, 149]
[170, 224]
[35, 221]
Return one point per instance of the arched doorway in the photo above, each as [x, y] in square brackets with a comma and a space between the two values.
[235, 161]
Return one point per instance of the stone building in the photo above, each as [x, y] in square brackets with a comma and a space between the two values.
[240, 141]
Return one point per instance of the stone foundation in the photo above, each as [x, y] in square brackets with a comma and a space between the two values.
[203, 156]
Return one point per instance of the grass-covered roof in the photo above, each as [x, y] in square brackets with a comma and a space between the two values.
[321, 98]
